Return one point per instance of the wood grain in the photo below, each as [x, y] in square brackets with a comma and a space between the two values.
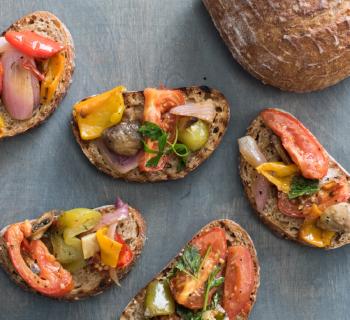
[142, 43]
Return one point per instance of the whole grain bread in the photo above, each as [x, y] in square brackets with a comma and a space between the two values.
[235, 235]
[290, 44]
[284, 226]
[90, 281]
[134, 104]
[46, 24]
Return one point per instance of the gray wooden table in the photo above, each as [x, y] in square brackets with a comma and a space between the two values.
[141, 43]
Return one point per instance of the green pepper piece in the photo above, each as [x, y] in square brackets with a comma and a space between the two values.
[159, 301]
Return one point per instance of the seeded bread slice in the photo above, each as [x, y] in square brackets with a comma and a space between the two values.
[90, 281]
[284, 226]
[46, 24]
[235, 235]
[134, 103]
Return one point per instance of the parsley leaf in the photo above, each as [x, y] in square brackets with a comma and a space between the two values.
[212, 282]
[301, 186]
[190, 261]
[153, 132]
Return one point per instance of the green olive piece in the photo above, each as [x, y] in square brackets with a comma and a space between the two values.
[159, 301]
[194, 135]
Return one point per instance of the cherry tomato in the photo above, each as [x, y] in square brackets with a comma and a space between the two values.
[239, 281]
[32, 44]
[52, 280]
[157, 103]
[126, 255]
[304, 149]
[189, 291]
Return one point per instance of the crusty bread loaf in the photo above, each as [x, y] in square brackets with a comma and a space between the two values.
[290, 44]
[89, 281]
[282, 225]
[235, 235]
[48, 25]
[134, 103]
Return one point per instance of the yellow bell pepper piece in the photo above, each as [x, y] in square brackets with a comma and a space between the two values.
[2, 125]
[310, 233]
[279, 174]
[100, 112]
[55, 69]
[110, 249]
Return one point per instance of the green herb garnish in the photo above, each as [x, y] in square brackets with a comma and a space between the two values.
[187, 314]
[301, 186]
[212, 282]
[153, 132]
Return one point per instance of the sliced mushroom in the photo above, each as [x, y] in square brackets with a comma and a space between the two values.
[280, 149]
[40, 225]
[123, 139]
[336, 218]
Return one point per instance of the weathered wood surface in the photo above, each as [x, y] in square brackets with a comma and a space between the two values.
[141, 43]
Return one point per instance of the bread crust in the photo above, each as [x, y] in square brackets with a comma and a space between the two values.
[293, 45]
[46, 24]
[89, 281]
[282, 225]
[134, 102]
[235, 235]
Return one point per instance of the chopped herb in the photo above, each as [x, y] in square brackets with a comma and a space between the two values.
[153, 132]
[212, 282]
[301, 186]
[187, 314]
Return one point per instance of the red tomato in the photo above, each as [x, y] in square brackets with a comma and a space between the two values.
[126, 255]
[189, 291]
[239, 281]
[304, 149]
[289, 207]
[157, 103]
[32, 44]
[52, 280]
[1, 76]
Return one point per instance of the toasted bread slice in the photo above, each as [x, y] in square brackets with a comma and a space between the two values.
[90, 281]
[282, 225]
[134, 104]
[235, 235]
[46, 24]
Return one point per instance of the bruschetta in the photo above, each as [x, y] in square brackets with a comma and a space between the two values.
[150, 135]
[36, 67]
[293, 183]
[216, 276]
[73, 254]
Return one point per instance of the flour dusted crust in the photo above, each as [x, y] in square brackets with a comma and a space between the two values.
[295, 45]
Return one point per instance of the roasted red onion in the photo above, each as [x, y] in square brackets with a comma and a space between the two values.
[250, 151]
[21, 92]
[203, 110]
[121, 212]
[260, 188]
[119, 163]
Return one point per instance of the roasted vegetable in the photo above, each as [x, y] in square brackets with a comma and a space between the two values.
[193, 134]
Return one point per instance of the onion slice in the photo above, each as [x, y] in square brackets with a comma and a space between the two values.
[121, 164]
[260, 188]
[4, 45]
[114, 276]
[203, 110]
[121, 212]
[250, 151]
[20, 88]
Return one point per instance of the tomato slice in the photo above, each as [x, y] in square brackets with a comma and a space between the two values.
[239, 281]
[1, 76]
[32, 44]
[189, 291]
[289, 207]
[52, 280]
[304, 149]
[157, 103]
[126, 255]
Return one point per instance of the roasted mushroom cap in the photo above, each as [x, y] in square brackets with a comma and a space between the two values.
[124, 138]
[336, 218]
[40, 225]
